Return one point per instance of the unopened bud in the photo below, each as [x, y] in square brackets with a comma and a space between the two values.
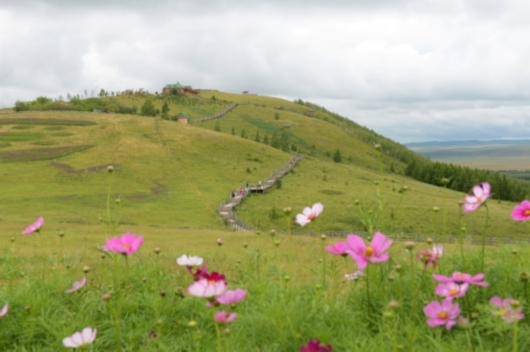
[397, 268]
[192, 324]
[445, 181]
[388, 314]
[220, 242]
[287, 278]
[409, 245]
[179, 291]
[157, 250]
[393, 304]
[356, 202]
[404, 188]
[277, 243]
[27, 307]
[429, 240]
[68, 266]
[86, 269]
[287, 211]
[515, 303]
[461, 202]
[117, 200]
[12, 239]
[391, 278]
[463, 323]
[514, 252]
[163, 293]
[376, 183]
[144, 279]
[245, 245]
[377, 146]
[272, 233]
[435, 209]
[323, 237]
[103, 256]
[318, 286]
[110, 168]
[258, 233]
[524, 276]
[463, 229]
[61, 234]
[159, 321]
[106, 296]
[227, 331]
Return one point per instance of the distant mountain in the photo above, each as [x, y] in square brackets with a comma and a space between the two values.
[467, 143]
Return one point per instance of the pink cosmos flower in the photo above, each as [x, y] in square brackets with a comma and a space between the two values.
[207, 288]
[4, 310]
[189, 261]
[127, 244]
[34, 227]
[442, 314]
[221, 318]
[374, 253]
[451, 290]
[77, 285]
[80, 339]
[197, 273]
[340, 248]
[309, 214]
[460, 278]
[480, 196]
[521, 212]
[430, 257]
[316, 346]
[231, 297]
[505, 310]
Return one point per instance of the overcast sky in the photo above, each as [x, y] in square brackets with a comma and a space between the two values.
[412, 70]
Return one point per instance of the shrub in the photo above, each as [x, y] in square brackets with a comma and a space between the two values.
[278, 183]
[337, 157]
[148, 109]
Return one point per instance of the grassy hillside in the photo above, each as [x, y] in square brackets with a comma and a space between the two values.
[175, 175]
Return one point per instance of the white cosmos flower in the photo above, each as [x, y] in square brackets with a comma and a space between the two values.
[190, 261]
[80, 339]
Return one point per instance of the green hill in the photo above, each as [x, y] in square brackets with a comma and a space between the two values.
[174, 175]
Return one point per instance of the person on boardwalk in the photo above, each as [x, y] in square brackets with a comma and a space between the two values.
[233, 193]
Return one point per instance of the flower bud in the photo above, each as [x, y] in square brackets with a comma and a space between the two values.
[474, 315]
[524, 276]
[192, 324]
[377, 146]
[461, 202]
[463, 229]
[318, 286]
[515, 303]
[277, 243]
[400, 347]
[272, 233]
[391, 278]
[410, 245]
[163, 293]
[287, 211]
[117, 200]
[388, 314]
[86, 269]
[435, 209]
[61, 234]
[245, 245]
[227, 331]
[356, 202]
[106, 296]
[323, 237]
[157, 250]
[376, 183]
[258, 233]
[22, 274]
[463, 323]
[68, 266]
[287, 278]
[159, 321]
[397, 268]
[27, 307]
[144, 279]
[103, 256]
[220, 242]
[179, 291]
[393, 304]
[429, 240]
[445, 181]
[514, 252]
[12, 239]
[110, 168]
[404, 188]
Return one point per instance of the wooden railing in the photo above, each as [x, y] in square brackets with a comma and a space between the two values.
[225, 209]
[215, 116]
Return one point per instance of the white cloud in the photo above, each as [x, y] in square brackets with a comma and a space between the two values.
[412, 70]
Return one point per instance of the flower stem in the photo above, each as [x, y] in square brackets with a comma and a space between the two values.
[484, 238]
[323, 261]
[413, 308]
[525, 292]
[44, 255]
[461, 238]
[218, 335]
[268, 259]
[290, 251]
[108, 199]
[515, 331]
[395, 213]
[156, 285]
[368, 293]
[436, 227]
[394, 347]
[401, 296]
[121, 301]
[62, 258]
[381, 190]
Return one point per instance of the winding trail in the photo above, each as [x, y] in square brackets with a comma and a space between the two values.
[225, 209]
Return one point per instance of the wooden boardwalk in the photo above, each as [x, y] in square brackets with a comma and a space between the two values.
[214, 116]
[225, 209]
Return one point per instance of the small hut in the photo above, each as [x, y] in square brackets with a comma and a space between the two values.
[183, 119]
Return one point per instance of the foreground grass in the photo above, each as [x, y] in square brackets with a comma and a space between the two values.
[274, 316]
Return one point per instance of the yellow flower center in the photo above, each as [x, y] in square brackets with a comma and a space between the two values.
[369, 251]
[479, 200]
[211, 281]
[502, 311]
[442, 315]
[459, 275]
[127, 246]
[527, 212]
[454, 292]
[311, 216]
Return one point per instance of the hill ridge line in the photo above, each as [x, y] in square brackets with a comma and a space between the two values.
[225, 209]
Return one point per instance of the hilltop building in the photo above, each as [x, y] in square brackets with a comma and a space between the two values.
[168, 88]
[183, 119]
[311, 112]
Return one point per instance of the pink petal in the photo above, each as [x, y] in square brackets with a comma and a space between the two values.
[487, 189]
[302, 220]
[478, 191]
[441, 278]
[356, 244]
[317, 209]
[450, 324]
[77, 338]
[441, 290]
[379, 258]
[359, 259]
[432, 309]
[87, 335]
[69, 342]
[231, 317]
[468, 208]
[306, 211]
[471, 199]
[435, 322]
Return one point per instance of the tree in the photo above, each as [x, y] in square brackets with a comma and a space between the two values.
[102, 93]
[293, 148]
[86, 94]
[92, 93]
[257, 138]
[233, 131]
[277, 116]
[217, 126]
[165, 108]
[243, 133]
[275, 140]
[148, 109]
[68, 96]
[337, 157]
[266, 140]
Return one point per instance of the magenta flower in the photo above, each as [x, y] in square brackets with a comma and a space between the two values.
[80, 339]
[197, 273]
[505, 310]
[34, 227]
[460, 278]
[340, 248]
[374, 253]
[451, 290]
[309, 214]
[231, 297]
[316, 346]
[442, 314]
[521, 212]
[127, 244]
[77, 285]
[4, 310]
[430, 257]
[355, 275]
[222, 318]
[480, 196]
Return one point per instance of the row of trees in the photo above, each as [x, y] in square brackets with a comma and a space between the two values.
[44, 103]
[462, 178]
